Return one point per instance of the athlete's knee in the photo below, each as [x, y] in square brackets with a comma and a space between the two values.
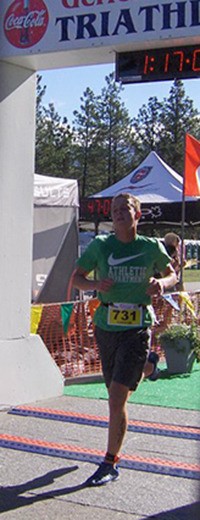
[118, 396]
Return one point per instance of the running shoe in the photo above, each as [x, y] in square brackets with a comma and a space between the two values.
[103, 475]
[154, 358]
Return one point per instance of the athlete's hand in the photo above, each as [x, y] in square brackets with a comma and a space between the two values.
[155, 287]
[104, 285]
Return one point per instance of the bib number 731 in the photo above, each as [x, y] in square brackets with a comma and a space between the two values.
[125, 315]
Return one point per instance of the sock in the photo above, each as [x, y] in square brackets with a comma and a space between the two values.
[111, 459]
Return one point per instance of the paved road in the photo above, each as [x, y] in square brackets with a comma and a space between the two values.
[192, 286]
[36, 486]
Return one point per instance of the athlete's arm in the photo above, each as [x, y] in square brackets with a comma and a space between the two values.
[168, 279]
[80, 281]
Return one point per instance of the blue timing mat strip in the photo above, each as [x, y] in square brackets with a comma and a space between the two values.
[163, 467]
[153, 429]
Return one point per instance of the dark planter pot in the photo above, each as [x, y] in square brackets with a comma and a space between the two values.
[179, 357]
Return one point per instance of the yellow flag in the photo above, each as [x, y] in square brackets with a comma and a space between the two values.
[186, 299]
[36, 313]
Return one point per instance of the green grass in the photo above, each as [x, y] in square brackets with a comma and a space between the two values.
[170, 391]
[191, 275]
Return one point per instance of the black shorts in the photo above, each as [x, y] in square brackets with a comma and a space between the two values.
[123, 355]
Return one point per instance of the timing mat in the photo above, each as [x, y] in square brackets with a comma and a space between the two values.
[138, 463]
[153, 465]
[153, 428]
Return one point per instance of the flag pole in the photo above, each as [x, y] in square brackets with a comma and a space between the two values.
[183, 218]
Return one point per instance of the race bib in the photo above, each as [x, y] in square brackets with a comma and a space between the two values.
[125, 314]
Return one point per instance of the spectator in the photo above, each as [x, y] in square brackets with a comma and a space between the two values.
[172, 243]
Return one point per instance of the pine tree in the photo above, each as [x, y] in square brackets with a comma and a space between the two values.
[85, 126]
[146, 127]
[53, 139]
[177, 117]
[114, 134]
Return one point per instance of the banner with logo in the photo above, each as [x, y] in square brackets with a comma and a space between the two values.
[29, 27]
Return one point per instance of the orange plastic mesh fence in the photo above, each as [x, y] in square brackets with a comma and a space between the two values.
[76, 352]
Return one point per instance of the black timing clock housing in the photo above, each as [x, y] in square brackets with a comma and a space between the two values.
[160, 64]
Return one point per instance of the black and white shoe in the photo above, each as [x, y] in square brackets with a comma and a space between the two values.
[103, 475]
[154, 358]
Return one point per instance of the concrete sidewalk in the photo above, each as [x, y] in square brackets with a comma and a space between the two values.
[37, 486]
[192, 286]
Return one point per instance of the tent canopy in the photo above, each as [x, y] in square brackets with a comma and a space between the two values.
[55, 237]
[158, 187]
[55, 191]
[152, 181]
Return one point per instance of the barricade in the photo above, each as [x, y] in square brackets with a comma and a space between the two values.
[68, 332]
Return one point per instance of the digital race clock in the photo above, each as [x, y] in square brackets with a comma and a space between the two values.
[97, 208]
[158, 64]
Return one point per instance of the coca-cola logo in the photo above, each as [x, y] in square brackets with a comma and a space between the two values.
[26, 22]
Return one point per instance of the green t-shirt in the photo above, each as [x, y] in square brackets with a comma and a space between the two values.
[129, 265]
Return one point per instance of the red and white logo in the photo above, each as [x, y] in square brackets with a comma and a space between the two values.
[26, 22]
[140, 174]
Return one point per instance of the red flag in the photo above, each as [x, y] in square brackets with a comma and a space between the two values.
[192, 166]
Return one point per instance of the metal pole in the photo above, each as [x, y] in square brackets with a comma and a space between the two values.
[183, 221]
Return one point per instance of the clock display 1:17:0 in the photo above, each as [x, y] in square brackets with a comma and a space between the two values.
[158, 64]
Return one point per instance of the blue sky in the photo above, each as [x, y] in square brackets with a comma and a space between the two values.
[66, 86]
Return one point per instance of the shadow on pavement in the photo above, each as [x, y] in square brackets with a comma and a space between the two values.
[189, 512]
[11, 499]
[10, 496]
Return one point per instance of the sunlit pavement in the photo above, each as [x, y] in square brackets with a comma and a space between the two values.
[36, 485]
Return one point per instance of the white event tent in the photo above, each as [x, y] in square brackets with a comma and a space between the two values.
[159, 188]
[55, 237]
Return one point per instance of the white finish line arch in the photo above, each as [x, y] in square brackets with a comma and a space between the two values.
[41, 34]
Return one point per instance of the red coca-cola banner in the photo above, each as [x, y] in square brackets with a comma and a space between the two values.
[26, 22]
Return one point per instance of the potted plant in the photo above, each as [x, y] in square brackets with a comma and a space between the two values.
[181, 343]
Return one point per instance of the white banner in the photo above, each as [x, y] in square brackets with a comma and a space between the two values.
[55, 191]
[35, 27]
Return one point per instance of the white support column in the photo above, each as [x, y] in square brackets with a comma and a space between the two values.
[27, 371]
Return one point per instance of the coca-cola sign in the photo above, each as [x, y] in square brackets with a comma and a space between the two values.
[26, 22]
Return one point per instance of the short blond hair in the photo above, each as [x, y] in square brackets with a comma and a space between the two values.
[134, 201]
[172, 239]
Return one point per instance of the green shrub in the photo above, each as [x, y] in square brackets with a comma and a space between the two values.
[176, 333]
